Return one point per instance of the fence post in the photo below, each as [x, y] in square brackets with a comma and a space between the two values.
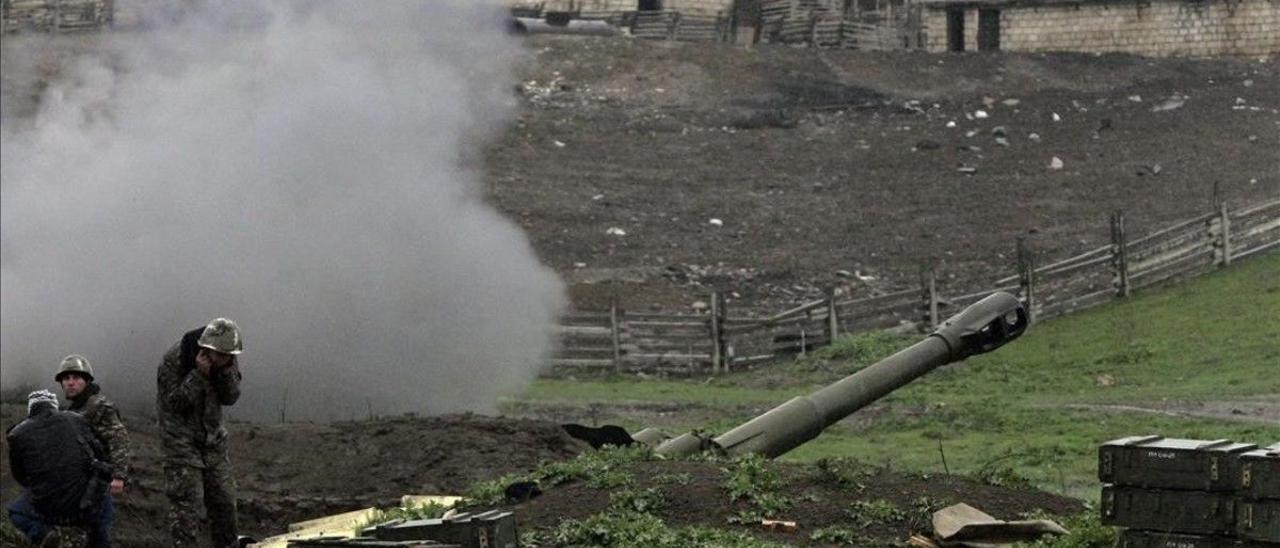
[1224, 236]
[929, 293]
[813, 29]
[674, 31]
[717, 341]
[615, 328]
[1119, 254]
[1027, 278]
[833, 321]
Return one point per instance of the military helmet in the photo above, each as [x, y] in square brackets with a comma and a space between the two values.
[221, 335]
[74, 363]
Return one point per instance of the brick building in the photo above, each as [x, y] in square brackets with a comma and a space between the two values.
[1146, 27]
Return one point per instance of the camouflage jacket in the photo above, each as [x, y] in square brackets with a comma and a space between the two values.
[104, 419]
[189, 405]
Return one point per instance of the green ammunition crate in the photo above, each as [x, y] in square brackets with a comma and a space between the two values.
[1131, 538]
[1260, 473]
[1166, 463]
[1258, 520]
[492, 529]
[1194, 512]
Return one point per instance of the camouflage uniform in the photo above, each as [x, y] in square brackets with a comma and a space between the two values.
[104, 419]
[189, 409]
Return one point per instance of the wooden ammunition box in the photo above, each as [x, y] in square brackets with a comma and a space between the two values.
[1164, 463]
[1192, 512]
[492, 529]
[1260, 473]
[1258, 520]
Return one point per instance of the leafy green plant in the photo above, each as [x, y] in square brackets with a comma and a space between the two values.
[879, 511]
[644, 501]
[618, 529]
[748, 476]
[428, 510]
[840, 535]
[1086, 531]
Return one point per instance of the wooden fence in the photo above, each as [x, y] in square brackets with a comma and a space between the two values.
[715, 342]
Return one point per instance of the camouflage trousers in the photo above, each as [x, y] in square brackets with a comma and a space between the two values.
[186, 487]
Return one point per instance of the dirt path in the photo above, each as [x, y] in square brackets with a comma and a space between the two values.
[1263, 410]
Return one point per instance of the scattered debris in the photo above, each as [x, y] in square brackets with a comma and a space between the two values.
[615, 231]
[1033, 137]
[1056, 163]
[559, 144]
[980, 114]
[1011, 102]
[844, 274]
[965, 525]
[967, 170]
[715, 222]
[778, 525]
[1056, 118]
[1135, 98]
[1248, 83]
[1002, 141]
[1174, 102]
[1153, 169]
[951, 124]
[1104, 381]
[999, 131]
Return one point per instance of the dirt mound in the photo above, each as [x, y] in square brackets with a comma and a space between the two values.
[295, 471]
[881, 505]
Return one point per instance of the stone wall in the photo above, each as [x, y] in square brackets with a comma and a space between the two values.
[1146, 27]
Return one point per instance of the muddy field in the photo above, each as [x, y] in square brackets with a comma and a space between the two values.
[297, 471]
[822, 162]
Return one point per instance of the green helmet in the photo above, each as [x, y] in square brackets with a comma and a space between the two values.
[221, 335]
[74, 363]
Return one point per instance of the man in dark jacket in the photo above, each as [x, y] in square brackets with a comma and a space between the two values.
[197, 377]
[75, 376]
[56, 458]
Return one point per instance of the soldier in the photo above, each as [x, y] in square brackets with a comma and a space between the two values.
[75, 375]
[57, 460]
[198, 376]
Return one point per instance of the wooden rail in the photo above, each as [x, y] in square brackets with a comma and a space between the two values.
[713, 341]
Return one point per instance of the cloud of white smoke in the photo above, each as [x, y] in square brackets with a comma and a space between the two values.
[304, 168]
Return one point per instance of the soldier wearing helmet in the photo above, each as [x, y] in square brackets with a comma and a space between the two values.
[84, 397]
[197, 377]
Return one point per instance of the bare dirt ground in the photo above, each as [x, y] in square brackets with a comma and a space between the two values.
[1263, 409]
[296, 471]
[818, 162]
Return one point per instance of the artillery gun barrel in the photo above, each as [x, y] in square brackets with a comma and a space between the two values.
[982, 327]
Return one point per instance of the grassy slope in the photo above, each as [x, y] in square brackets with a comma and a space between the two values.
[1215, 338]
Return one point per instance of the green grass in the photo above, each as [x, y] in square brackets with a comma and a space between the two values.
[1210, 339]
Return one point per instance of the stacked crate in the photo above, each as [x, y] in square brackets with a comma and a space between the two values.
[1178, 493]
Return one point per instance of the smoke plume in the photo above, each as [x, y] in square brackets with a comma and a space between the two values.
[307, 169]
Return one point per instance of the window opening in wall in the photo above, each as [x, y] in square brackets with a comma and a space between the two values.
[988, 30]
[649, 5]
[955, 30]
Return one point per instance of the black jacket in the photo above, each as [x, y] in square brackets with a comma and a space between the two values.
[55, 456]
